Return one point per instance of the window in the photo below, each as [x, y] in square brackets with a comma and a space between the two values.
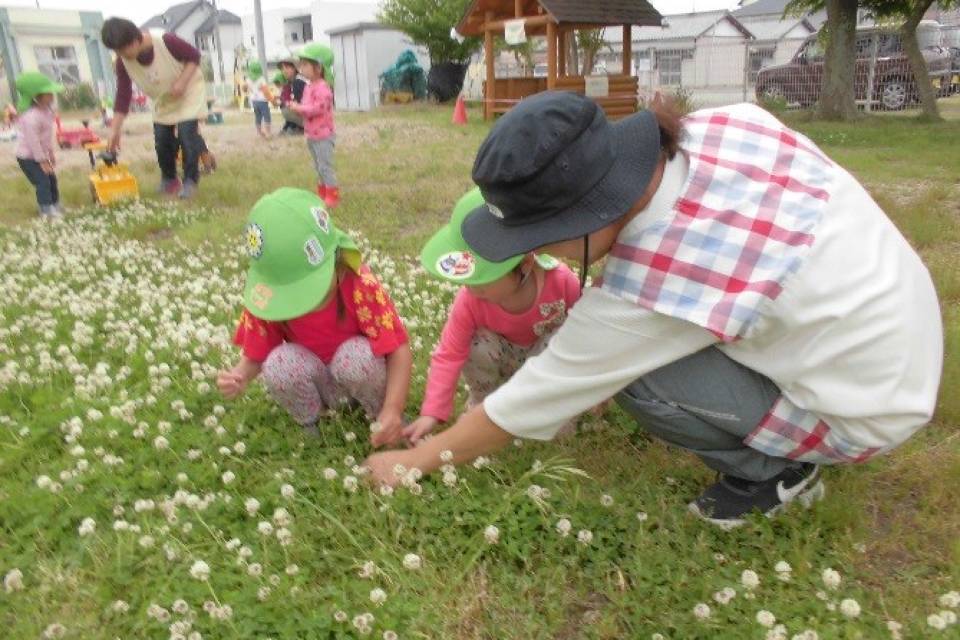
[668, 64]
[307, 31]
[59, 63]
[294, 36]
[889, 44]
[759, 58]
[864, 46]
[813, 51]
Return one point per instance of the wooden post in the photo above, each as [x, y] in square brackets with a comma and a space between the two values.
[627, 51]
[491, 91]
[551, 54]
[562, 52]
[518, 8]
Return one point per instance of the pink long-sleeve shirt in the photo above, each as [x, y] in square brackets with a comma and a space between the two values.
[35, 135]
[317, 110]
[469, 314]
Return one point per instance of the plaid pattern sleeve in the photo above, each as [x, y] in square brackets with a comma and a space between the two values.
[754, 194]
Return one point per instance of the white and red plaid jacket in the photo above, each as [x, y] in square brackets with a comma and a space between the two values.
[741, 227]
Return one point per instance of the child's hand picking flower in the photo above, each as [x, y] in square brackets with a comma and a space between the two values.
[416, 430]
[391, 428]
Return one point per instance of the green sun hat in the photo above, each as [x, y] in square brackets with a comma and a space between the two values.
[30, 85]
[254, 70]
[322, 54]
[448, 256]
[293, 247]
[279, 78]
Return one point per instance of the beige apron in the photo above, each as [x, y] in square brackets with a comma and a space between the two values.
[156, 79]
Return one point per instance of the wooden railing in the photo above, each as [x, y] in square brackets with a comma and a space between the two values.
[620, 102]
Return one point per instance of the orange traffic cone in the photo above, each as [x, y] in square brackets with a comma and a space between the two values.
[460, 111]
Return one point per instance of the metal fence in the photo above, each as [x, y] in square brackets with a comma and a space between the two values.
[787, 73]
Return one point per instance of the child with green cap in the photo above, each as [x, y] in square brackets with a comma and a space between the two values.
[259, 93]
[504, 313]
[316, 65]
[35, 126]
[317, 324]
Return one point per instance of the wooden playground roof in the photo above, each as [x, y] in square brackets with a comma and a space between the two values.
[579, 12]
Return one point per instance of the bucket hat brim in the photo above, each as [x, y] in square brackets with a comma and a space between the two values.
[26, 99]
[609, 200]
[279, 302]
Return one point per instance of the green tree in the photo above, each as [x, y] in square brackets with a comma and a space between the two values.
[428, 23]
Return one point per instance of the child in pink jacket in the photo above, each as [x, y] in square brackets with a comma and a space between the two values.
[504, 313]
[35, 127]
[316, 62]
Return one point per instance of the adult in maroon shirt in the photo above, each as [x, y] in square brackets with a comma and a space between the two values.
[137, 46]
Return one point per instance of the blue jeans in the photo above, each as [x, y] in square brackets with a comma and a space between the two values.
[169, 138]
[707, 404]
[261, 112]
[45, 184]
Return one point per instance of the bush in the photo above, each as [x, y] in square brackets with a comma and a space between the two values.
[78, 97]
[776, 105]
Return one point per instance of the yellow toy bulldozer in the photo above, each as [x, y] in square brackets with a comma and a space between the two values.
[110, 181]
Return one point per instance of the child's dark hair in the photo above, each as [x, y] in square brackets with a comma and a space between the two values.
[670, 121]
[117, 33]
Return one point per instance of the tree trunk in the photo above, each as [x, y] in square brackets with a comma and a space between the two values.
[573, 53]
[840, 63]
[921, 75]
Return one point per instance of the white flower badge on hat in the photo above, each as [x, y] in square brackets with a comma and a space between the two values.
[254, 244]
[457, 265]
[322, 216]
[313, 251]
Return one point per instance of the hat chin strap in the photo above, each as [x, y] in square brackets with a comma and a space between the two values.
[585, 265]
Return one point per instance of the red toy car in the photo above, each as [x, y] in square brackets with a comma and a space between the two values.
[68, 138]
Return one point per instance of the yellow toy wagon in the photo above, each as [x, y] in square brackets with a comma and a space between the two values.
[110, 181]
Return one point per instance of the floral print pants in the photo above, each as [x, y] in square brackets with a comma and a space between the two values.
[303, 385]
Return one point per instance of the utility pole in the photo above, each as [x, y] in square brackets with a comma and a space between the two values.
[261, 46]
[216, 40]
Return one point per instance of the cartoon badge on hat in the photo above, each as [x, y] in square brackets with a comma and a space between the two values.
[322, 217]
[260, 296]
[254, 244]
[314, 251]
[457, 265]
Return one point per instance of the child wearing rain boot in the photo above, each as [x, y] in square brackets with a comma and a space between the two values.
[316, 65]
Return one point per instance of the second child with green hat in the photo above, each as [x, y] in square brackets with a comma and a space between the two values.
[35, 126]
[316, 108]
[504, 313]
[258, 90]
[317, 325]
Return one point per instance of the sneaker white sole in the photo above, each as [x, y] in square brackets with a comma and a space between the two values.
[806, 499]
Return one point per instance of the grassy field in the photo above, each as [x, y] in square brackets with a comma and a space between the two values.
[135, 503]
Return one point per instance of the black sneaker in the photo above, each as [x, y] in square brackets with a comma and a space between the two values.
[727, 502]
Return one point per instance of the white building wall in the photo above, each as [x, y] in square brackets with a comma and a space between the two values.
[273, 30]
[49, 28]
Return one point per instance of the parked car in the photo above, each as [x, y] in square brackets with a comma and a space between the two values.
[893, 86]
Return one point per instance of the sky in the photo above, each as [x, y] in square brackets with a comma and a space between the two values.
[139, 12]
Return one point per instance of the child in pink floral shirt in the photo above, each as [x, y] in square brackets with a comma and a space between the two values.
[316, 107]
[35, 127]
[504, 314]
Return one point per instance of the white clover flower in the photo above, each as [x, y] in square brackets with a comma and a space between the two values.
[200, 570]
[446, 456]
[263, 593]
[120, 606]
[378, 596]
[412, 562]
[55, 630]
[284, 536]
[350, 483]
[701, 611]
[350, 436]
[367, 570]
[480, 462]
[725, 595]
[491, 534]
[606, 500]
[252, 505]
[782, 567]
[642, 516]
[807, 634]
[375, 427]
[255, 569]
[292, 570]
[146, 542]
[180, 607]
[287, 491]
[329, 474]
[13, 581]
[936, 621]
[265, 528]
[228, 477]
[949, 617]
[282, 517]
[766, 618]
[340, 616]
[850, 608]
[87, 527]
[386, 491]
[563, 527]
[450, 479]
[584, 536]
[749, 579]
[399, 471]
[160, 443]
[349, 461]
[390, 635]
[831, 578]
[950, 600]
[44, 482]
